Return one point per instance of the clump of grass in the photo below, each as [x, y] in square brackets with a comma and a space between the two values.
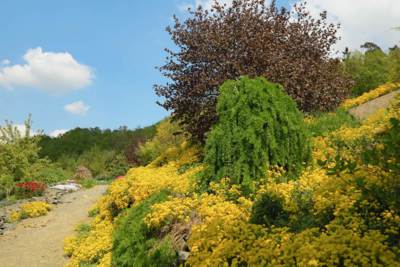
[83, 229]
[88, 183]
[321, 124]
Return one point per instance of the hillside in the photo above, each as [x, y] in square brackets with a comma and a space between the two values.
[339, 210]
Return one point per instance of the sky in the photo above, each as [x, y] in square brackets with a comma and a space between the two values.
[92, 63]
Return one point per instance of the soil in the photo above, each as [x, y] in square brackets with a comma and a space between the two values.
[38, 242]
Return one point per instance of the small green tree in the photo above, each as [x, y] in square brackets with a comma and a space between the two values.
[18, 151]
[259, 126]
[9, 133]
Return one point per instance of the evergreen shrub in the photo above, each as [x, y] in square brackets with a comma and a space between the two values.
[259, 126]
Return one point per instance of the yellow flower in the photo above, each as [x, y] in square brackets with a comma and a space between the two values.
[381, 90]
[31, 210]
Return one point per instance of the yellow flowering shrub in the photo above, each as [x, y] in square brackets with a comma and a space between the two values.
[91, 248]
[31, 210]
[381, 90]
[148, 180]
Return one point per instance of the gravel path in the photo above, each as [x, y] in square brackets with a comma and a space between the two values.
[38, 242]
[364, 110]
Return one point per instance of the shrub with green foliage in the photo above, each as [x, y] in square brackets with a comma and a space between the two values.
[135, 245]
[259, 127]
[168, 136]
[268, 210]
[386, 151]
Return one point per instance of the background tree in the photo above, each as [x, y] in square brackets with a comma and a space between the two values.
[250, 38]
[369, 69]
[394, 64]
[373, 67]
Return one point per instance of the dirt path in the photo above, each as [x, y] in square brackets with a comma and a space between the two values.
[38, 241]
[364, 110]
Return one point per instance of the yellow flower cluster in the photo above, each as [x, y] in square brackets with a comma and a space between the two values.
[31, 210]
[205, 207]
[92, 248]
[148, 180]
[381, 90]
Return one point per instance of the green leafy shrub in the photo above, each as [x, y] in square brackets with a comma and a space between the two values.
[168, 136]
[135, 245]
[116, 166]
[259, 127]
[386, 151]
[88, 183]
[7, 186]
[50, 173]
[268, 210]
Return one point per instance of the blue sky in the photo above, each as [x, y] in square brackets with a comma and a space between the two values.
[113, 48]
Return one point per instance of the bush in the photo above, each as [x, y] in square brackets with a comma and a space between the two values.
[268, 210]
[88, 183]
[116, 166]
[7, 186]
[30, 189]
[259, 127]
[168, 136]
[385, 152]
[135, 245]
[51, 173]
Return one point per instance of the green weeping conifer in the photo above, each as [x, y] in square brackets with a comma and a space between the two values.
[258, 127]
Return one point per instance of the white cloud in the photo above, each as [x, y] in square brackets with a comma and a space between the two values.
[22, 129]
[58, 132]
[206, 4]
[49, 71]
[77, 108]
[5, 62]
[362, 20]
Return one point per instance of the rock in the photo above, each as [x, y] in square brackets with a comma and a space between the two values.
[66, 187]
[183, 256]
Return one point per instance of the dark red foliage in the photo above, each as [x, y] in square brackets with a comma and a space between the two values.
[249, 38]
